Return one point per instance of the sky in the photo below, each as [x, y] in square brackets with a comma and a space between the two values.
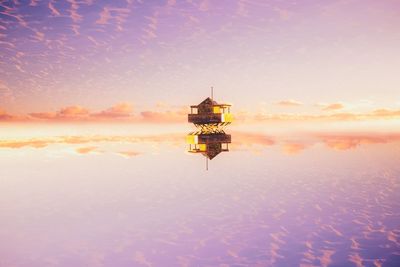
[107, 60]
[95, 171]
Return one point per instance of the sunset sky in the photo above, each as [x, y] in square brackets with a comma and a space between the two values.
[91, 60]
[94, 168]
[91, 75]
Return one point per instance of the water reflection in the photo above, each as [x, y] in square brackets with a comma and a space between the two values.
[209, 144]
[289, 143]
[335, 203]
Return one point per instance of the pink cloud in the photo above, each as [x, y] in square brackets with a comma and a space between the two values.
[104, 16]
[121, 110]
[356, 259]
[67, 113]
[170, 114]
[204, 6]
[171, 3]
[243, 138]
[289, 103]
[53, 10]
[73, 111]
[346, 142]
[343, 116]
[5, 116]
[74, 15]
[164, 117]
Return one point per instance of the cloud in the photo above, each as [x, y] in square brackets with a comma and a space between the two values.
[204, 5]
[242, 9]
[343, 116]
[289, 103]
[333, 106]
[92, 142]
[4, 116]
[104, 16]
[128, 154]
[255, 142]
[164, 117]
[140, 258]
[74, 15]
[171, 3]
[284, 14]
[150, 31]
[53, 10]
[73, 111]
[121, 110]
[6, 94]
[293, 148]
[346, 142]
[326, 258]
[86, 150]
[386, 113]
[162, 113]
[43, 115]
[245, 138]
[342, 144]
[78, 113]
[68, 113]
[35, 143]
[118, 15]
[356, 259]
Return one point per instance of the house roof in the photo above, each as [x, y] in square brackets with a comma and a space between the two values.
[208, 101]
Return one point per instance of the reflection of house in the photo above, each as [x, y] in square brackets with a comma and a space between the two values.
[208, 144]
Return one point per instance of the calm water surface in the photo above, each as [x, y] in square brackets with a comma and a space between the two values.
[154, 205]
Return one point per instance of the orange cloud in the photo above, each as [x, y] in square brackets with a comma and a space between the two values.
[346, 142]
[73, 111]
[43, 115]
[67, 113]
[4, 116]
[242, 138]
[128, 154]
[78, 113]
[164, 117]
[86, 150]
[289, 102]
[35, 143]
[386, 113]
[293, 148]
[344, 116]
[121, 110]
[334, 106]
[171, 138]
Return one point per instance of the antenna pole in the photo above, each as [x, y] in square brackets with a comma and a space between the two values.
[206, 164]
[212, 93]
